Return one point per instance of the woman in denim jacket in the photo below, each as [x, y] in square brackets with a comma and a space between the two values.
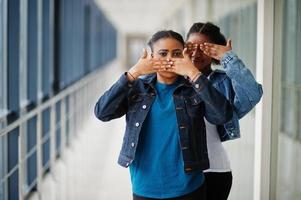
[207, 45]
[165, 140]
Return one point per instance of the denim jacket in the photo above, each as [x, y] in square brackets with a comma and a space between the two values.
[237, 83]
[193, 101]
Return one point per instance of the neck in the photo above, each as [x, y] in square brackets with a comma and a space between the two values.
[207, 70]
[166, 80]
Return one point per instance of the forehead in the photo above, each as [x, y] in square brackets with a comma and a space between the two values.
[167, 43]
[198, 38]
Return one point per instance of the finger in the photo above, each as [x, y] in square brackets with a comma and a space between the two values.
[188, 44]
[165, 66]
[185, 53]
[157, 67]
[211, 48]
[158, 59]
[202, 47]
[209, 44]
[144, 53]
[211, 54]
[207, 53]
[162, 62]
[161, 69]
[229, 43]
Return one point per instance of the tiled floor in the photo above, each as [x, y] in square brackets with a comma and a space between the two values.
[89, 170]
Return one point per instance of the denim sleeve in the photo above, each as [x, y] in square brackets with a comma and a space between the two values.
[247, 92]
[218, 109]
[113, 103]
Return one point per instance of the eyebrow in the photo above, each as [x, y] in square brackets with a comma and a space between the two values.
[167, 50]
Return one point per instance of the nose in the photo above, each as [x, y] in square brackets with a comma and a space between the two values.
[169, 56]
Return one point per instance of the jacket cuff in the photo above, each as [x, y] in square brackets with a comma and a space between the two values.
[124, 82]
[227, 57]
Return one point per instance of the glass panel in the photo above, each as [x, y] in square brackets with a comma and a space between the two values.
[46, 152]
[32, 168]
[46, 136]
[289, 146]
[2, 157]
[2, 194]
[240, 25]
[31, 133]
[3, 163]
[67, 114]
[31, 144]
[46, 51]
[13, 186]
[58, 127]
[32, 53]
[13, 58]
[1, 62]
[13, 148]
[46, 122]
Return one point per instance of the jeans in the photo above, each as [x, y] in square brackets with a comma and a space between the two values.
[218, 185]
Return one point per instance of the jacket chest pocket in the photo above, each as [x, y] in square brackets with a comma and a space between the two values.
[135, 102]
[195, 107]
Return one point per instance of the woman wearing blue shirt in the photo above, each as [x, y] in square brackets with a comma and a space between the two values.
[207, 45]
[165, 139]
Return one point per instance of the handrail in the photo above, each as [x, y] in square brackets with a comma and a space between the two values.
[62, 94]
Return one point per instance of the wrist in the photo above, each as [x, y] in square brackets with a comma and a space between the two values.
[134, 73]
[193, 74]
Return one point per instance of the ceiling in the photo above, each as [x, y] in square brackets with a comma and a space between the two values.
[136, 16]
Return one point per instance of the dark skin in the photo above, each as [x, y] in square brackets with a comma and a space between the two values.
[202, 50]
[168, 60]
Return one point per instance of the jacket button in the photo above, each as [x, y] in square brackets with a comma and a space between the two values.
[197, 85]
[127, 164]
[133, 144]
[232, 134]
[144, 107]
[137, 124]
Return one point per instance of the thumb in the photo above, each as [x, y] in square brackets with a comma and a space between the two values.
[229, 43]
[144, 53]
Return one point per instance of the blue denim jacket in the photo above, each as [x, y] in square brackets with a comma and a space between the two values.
[193, 101]
[237, 83]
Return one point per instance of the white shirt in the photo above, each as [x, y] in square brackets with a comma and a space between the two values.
[218, 158]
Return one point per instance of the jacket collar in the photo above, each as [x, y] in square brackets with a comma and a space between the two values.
[152, 78]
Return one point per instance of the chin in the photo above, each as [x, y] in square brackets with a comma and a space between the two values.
[202, 66]
[198, 64]
[167, 74]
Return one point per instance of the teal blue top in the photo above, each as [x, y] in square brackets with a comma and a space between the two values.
[158, 168]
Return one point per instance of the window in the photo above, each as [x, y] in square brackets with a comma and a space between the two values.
[289, 138]
[31, 153]
[46, 138]
[12, 164]
[238, 26]
[32, 45]
[2, 83]
[58, 128]
[46, 50]
[13, 59]
[291, 72]
[2, 101]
